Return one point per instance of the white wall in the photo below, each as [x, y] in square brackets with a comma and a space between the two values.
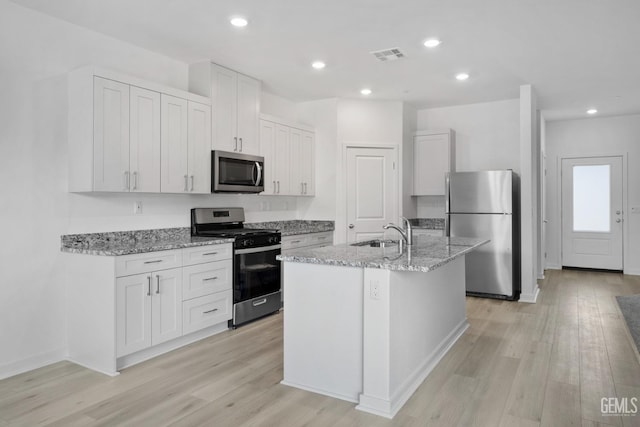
[594, 137]
[278, 106]
[487, 137]
[37, 51]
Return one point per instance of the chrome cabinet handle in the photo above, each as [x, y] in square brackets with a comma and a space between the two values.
[153, 262]
[278, 187]
[186, 183]
[257, 303]
[148, 286]
[210, 278]
[157, 283]
[351, 225]
[209, 311]
[235, 139]
[274, 187]
[241, 145]
[191, 182]
[126, 180]
[295, 241]
[210, 253]
[135, 181]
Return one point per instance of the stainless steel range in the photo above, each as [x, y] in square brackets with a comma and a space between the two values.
[256, 272]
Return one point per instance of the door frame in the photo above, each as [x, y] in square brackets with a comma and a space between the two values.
[625, 207]
[341, 231]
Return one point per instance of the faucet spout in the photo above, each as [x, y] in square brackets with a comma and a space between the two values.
[407, 235]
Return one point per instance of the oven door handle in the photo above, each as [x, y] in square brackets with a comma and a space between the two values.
[259, 177]
[260, 249]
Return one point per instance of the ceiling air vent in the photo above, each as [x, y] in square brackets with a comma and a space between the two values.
[388, 54]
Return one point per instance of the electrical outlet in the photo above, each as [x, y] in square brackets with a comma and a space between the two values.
[375, 289]
[137, 208]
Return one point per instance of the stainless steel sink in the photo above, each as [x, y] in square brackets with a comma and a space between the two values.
[378, 243]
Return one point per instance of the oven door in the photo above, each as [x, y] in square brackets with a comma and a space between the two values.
[236, 173]
[256, 272]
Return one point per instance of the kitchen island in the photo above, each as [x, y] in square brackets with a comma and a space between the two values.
[367, 324]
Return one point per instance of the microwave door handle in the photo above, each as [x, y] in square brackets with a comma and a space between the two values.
[259, 177]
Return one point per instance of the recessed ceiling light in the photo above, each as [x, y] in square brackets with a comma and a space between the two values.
[462, 76]
[239, 21]
[432, 42]
[318, 65]
[592, 111]
[365, 91]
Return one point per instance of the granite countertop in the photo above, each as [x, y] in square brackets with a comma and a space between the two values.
[427, 223]
[427, 254]
[295, 226]
[134, 242]
[140, 241]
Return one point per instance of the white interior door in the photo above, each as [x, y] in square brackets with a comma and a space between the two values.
[372, 192]
[592, 212]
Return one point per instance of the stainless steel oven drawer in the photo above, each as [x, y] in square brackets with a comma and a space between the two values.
[257, 307]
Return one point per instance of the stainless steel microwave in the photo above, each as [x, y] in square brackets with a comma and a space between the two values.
[236, 172]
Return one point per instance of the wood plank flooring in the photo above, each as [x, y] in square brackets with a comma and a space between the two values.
[544, 364]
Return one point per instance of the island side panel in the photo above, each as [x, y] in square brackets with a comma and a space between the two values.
[426, 314]
[323, 329]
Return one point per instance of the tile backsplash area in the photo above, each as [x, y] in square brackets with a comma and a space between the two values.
[430, 207]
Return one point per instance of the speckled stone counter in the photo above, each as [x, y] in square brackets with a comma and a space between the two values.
[427, 254]
[296, 226]
[427, 223]
[134, 242]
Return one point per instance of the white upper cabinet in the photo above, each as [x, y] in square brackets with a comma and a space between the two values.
[144, 139]
[433, 157]
[236, 106]
[127, 134]
[174, 147]
[289, 158]
[111, 136]
[199, 161]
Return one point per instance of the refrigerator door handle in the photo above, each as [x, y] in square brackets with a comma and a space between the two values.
[447, 224]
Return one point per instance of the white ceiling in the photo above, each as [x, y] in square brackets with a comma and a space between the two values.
[576, 53]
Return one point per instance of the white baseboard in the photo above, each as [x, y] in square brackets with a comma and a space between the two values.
[553, 267]
[390, 408]
[632, 271]
[94, 368]
[320, 391]
[530, 298]
[31, 363]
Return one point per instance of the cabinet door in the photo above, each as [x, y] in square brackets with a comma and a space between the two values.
[224, 101]
[308, 163]
[174, 145]
[199, 135]
[110, 135]
[248, 115]
[144, 147]
[267, 150]
[166, 307]
[296, 187]
[133, 313]
[282, 160]
[431, 154]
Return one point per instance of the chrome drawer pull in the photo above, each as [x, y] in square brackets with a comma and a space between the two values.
[257, 303]
[148, 286]
[153, 262]
[210, 278]
[210, 253]
[157, 283]
[210, 311]
[295, 241]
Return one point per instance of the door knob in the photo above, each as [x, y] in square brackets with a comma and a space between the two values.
[351, 225]
[617, 212]
[618, 220]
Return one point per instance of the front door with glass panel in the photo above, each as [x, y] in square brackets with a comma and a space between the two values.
[592, 216]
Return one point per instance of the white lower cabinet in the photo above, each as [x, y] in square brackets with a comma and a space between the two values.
[309, 240]
[209, 310]
[149, 309]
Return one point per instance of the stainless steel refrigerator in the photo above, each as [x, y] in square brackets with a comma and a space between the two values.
[485, 205]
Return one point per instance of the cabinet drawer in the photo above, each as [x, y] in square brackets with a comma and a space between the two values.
[209, 310]
[128, 265]
[292, 242]
[320, 239]
[204, 279]
[208, 253]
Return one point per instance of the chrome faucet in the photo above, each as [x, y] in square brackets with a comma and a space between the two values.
[407, 234]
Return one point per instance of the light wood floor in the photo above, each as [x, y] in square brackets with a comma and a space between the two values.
[545, 364]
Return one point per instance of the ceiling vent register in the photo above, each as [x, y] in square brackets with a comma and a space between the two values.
[385, 55]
